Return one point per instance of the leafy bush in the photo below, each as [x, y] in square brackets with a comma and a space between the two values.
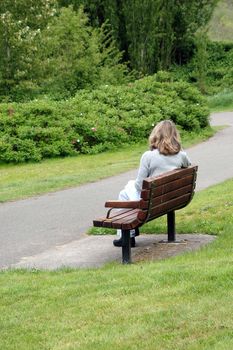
[219, 72]
[55, 54]
[98, 120]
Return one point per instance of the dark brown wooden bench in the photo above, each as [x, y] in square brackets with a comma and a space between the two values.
[160, 195]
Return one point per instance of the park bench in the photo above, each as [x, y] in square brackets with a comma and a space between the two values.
[160, 195]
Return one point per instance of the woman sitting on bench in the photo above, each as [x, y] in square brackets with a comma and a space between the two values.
[165, 154]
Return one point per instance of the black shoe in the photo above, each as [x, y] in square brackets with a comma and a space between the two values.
[118, 242]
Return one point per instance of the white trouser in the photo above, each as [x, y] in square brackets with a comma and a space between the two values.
[129, 193]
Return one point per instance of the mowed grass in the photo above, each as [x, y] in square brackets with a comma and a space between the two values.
[182, 303]
[25, 180]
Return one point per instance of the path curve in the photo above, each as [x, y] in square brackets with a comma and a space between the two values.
[41, 226]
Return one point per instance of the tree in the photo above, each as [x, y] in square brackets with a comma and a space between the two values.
[153, 34]
[189, 17]
[20, 23]
[76, 56]
[200, 60]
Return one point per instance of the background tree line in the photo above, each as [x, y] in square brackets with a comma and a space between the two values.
[152, 33]
[55, 48]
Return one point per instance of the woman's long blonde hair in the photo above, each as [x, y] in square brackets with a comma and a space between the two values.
[165, 138]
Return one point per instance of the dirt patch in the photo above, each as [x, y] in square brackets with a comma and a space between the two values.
[155, 247]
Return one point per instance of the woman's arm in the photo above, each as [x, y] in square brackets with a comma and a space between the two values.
[143, 171]
[185, 160]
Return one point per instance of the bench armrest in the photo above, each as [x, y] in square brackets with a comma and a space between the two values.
[123, 204]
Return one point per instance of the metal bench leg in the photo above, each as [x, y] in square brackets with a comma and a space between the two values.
[171, 229]
[126, 247]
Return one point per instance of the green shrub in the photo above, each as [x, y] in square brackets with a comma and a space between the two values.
[219, 71]
[98, 120]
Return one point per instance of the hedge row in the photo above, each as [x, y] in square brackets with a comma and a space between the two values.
[98, 120]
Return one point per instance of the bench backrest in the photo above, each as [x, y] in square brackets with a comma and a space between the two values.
[170, 191]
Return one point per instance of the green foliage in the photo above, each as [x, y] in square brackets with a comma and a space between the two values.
[55, 48]
[98, 120]
[54, 53]
[21, 22]
[220, 66]
[76, 56]
[200, 60]
[211, 67]
[153, 34]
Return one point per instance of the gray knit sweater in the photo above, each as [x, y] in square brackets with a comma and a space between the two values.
[154, 163]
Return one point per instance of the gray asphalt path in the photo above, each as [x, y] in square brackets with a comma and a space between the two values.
[42, 225]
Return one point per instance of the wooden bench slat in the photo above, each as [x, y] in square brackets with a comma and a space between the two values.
[118, 212]
[130, 225]
[126, 216]
[130, 222]
[98, 222]
[168, 177]
[142, 215]
[125, 223]
[173, 204]
[168, 187]
[145, 194]
[170, 195]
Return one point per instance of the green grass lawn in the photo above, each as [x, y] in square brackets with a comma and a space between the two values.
[182, 303]
[25, 180]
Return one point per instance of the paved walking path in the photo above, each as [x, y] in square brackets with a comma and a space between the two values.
[49, 231]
